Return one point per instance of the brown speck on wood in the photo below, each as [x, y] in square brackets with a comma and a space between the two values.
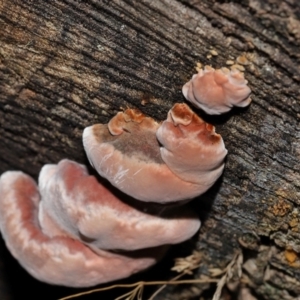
[281, 208]
[290, 255]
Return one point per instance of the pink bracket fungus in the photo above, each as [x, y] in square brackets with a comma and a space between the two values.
[217, 91]
[59, 259]
[67, 230]
[86, 210]
[191, 148]
[126, 151]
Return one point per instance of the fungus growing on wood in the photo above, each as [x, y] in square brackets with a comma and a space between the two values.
[191, 148]
[126, 151]
[217, 91]
[66, 238]
[60, 259]
[87, 210]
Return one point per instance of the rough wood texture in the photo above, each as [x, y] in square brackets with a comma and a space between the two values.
[68, 64]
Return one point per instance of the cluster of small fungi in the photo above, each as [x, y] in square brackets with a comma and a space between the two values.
[79, 230]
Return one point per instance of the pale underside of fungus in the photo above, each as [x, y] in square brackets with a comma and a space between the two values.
[177, 160]
[59, 259]
[217, 91]
[87, 210]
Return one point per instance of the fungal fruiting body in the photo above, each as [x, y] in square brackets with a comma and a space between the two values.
[126, 151]
[217, 91]
[87, 210]
[191, 148]
[64, 230]
[59, 259]
[67, 230]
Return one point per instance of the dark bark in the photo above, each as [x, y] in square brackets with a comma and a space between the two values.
[68, 64]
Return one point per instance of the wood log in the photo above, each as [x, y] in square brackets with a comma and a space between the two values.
[67, 64]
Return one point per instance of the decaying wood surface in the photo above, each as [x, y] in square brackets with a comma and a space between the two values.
[68, 64]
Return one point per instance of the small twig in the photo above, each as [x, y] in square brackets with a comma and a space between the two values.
[185, 272]
[220, 286]
[140, 293]
[129, 294]
[237, 261]
[142, 283]
[163, 286]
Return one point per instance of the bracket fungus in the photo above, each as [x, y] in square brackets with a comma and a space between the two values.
[59, 259]
[191, 148]
[74, 229]
[87, 210]
[217, 91]
[127, 152]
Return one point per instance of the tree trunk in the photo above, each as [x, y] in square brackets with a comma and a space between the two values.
[67, 64]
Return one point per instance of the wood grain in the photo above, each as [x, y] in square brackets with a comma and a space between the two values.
[68, 64]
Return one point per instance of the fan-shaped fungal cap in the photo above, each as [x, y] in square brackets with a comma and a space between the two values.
[58, 260]
[217, 91]
[87, 210]
[131, 160]
[190, 147]
[129, 156]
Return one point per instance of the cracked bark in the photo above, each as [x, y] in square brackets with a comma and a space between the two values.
[68, 64]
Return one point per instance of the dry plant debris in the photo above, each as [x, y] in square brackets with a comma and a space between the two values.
[184, 266]
[187, 264]
[235, 266]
